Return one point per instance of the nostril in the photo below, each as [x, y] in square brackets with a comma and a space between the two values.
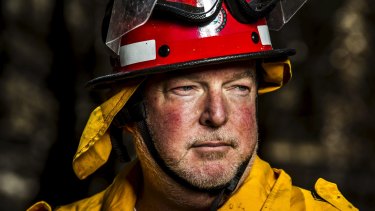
[212, 124]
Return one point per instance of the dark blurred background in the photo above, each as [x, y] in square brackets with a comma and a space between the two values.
[322, 124]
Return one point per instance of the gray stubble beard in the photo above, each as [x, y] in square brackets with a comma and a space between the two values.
[202, 180]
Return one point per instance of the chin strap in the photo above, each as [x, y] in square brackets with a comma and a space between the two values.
[229, 189]
[133, 113]
[117, 144]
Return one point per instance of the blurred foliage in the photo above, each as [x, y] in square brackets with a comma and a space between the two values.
[319, 125]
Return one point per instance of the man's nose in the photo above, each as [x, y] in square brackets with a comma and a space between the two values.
[215, 110]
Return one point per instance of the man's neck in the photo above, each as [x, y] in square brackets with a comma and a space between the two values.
[160, 192]
[166, 194]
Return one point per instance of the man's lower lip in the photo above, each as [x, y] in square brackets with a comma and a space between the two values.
[211, 144]
[211, 147]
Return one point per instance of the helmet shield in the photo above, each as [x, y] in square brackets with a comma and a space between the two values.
[126, 15]
[283, 12]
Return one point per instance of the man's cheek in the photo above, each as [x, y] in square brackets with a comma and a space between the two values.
[246, 119]
[170, 120]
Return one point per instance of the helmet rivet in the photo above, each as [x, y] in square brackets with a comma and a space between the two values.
[164, 51]
[255, 37]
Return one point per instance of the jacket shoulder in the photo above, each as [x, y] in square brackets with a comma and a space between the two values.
[40, 206]
[93, 203]
[330, 193]
[325, 196]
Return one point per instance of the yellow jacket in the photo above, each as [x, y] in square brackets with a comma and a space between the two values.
[265, 188]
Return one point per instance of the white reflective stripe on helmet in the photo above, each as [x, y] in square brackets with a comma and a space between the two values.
[137, 52]
[264, 35]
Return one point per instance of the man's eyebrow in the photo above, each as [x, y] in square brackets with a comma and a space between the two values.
[249, 73]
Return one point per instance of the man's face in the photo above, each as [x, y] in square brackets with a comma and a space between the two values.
[203, 122]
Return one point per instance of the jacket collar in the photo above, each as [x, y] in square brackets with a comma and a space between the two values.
[122, 193]
[265, 188]
[261, 188]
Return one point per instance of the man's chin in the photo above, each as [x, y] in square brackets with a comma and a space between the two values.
[215, 189]
[209, 185]
[212, 175]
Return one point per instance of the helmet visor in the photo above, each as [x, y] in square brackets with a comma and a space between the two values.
[283, 12]
[125, 16]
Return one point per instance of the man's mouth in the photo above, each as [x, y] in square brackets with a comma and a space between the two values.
[211, 150]
[212, 144]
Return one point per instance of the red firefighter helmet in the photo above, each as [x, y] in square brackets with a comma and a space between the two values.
[183, 34]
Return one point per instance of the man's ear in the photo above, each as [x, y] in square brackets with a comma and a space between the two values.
[132, 112]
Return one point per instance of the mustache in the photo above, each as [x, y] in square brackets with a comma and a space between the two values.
[219, 138]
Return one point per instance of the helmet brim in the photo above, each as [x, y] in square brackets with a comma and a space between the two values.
[109, 80]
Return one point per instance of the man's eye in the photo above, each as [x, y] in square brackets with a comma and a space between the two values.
[242, 88]
[183, 90]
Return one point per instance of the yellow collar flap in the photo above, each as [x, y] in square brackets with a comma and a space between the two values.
[95, 144]
[260, 189]
[274, 75]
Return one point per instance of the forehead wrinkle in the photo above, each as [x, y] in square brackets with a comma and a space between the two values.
[194, 75]
[184, 74]
[248, 73]
[190, 74]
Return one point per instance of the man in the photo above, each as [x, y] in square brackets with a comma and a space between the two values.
[186, 88]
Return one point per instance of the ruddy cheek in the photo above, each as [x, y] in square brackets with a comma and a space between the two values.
[246, 119]
[171, 120]
[178, 117]
[172, 131]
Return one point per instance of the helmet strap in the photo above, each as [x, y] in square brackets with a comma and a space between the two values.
[147, 138]
[117, 145]
[230, 187]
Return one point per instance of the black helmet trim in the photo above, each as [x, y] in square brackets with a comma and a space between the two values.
[109, 80]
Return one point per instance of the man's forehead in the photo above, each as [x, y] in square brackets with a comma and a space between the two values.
[232, 71]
